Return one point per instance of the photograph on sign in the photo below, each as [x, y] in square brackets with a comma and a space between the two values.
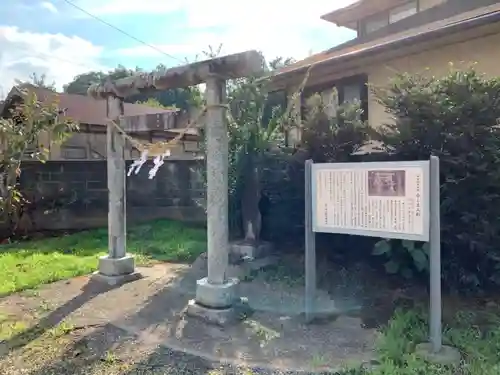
[386, 183]
[388, 199]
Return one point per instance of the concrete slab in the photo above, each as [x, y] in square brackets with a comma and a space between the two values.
[221, 317]
[280, 298]
[264, 339]
[116, 280]
[243, 249]
[273, 297]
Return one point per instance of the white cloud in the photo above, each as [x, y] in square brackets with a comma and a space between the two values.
[57, 56]
[277, 28]
[49, 6]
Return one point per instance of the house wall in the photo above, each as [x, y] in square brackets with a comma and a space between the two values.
[484, 52]
[430, 11]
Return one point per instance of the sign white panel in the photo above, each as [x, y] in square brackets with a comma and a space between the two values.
[380, 199]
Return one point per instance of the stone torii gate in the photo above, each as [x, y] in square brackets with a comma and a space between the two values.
[215, 294]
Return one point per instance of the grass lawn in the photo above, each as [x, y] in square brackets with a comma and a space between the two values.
[29, 264]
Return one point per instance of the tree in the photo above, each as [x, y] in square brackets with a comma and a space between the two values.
[18, 131]
[255, 128]
[179, 98]
[41, 81]
[82, 82]
[250, 135]
[279, 63]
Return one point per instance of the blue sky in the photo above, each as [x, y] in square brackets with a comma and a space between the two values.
[56, 39]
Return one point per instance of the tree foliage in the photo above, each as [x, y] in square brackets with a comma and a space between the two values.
[41, 81]
[255, 128]
[82, 82]
[179, 98]
[19, 135]
[327, 138]
[454, 117]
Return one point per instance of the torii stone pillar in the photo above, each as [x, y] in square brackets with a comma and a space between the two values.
[215, 294]
[217, 184]
[118, 266]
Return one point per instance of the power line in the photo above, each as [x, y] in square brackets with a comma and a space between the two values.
[121, 30]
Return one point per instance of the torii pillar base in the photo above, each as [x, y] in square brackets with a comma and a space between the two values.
[116, 271]
[216, 303]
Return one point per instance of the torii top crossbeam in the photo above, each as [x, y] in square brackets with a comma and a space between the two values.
[238, 65]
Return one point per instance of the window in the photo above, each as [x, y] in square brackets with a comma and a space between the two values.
[403, 11]
[376, 22]
[73, 152]
[352, 89]
[396, 14]
[330, 101]
[355, 90]
[352, 93]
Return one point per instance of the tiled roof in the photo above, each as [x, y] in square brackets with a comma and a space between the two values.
[372, 46]
[359, 9]
[85, 109]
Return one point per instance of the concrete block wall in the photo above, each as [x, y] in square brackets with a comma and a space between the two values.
[74, 194]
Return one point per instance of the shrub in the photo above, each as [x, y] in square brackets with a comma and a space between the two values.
[454, 117]
[327, 139]
[282, 181]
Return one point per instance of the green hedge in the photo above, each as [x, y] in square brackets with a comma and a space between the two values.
[454, 117]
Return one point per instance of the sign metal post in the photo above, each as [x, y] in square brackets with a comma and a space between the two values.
[310, 246]
[435, 259]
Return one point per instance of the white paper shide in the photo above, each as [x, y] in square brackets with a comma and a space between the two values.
[371, 199]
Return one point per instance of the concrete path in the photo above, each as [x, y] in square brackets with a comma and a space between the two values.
[152, 309]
